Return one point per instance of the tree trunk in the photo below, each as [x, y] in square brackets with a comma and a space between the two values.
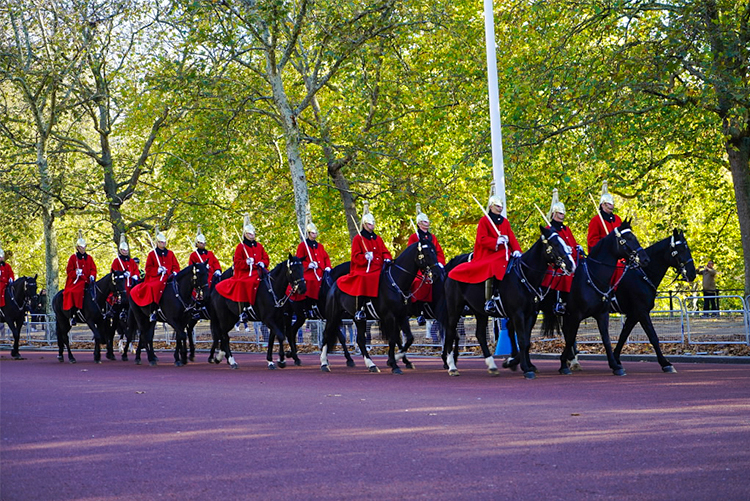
[48, 222]
[738, 149]
[291, 137]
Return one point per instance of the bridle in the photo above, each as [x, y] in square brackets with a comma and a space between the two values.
[295, 285]
[680, 267]
[633, 259]
[422, 265]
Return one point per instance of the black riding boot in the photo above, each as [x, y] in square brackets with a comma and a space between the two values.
[360, 314]
[244, 317]
[73, 312]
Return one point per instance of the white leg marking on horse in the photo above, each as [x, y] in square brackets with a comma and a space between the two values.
[220, 356]
[400, 356]
[324, 356]
[231, 360]
[369, 362]
[451, 361]
[490, 363]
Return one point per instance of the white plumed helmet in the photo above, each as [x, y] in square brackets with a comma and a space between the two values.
[160, 237]
[309, 225]
[421, 216]
[247, 226]
[494, 199]
[606, 196]
[81, 242]
[366, 216]
[556, 206]
[123, 242]
[199, 237]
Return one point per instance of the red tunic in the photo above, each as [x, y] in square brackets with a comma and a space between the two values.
[125, 263]
[312, 276]
[243, 285]
[152, 287]
[422, 291]
[75, 283]
[555, 278]
[202, 256]
[6, 275]
[596, 233]
[490, 260]
[360, 281]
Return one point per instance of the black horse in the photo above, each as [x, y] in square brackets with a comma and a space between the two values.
[18, 297]
[636, 293]
[178, 303]
[591, 291]
[391, 305]
[310, 309]
[270, 302]
[519, 297]
[94, 312]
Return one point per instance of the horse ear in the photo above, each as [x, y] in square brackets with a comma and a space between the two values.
[290, 256]
[36, 276]
[541, 229]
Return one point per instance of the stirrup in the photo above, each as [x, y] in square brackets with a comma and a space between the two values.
[360, 315]
[154, 317]
[421, 321]
[244, 317]
[559, 308]
[490, 307]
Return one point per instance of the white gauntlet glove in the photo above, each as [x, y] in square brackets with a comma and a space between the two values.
[162, 270]
[502, 240]
[127, 274]
[327, 268]
[368, 256]
[313, 265]
[250, 261]
[261, 264]
[79, 272]
[516, 254]
[217, 272]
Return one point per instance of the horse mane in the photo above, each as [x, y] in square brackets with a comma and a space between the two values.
[625, 225]
[189, 269]
[461, 258]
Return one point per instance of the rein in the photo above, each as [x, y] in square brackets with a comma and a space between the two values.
[278, 303]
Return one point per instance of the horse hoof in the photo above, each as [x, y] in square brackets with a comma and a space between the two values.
[60, 359]
[152, 363]
[445, 366]
[575, 366]
[272, 366]
[17, 356]
[454, 372]
[234, 366]
[350, 363]
[191, 358]
[670, 369]
[529, 375]
[397, 370]
[373, 368]
[281, 364]
[124, 357]
[533, 368]
[408, 365]
[111, 357]
[178, 363]
[565, 371]
[72, 360]
[493, 372]
[137, 361]
[210, 360]
[297, 362]
[325, 368]
[98, 361]
[619, 372]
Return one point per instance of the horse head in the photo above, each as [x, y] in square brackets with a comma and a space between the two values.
[27, 290]
[118, 281]
[680, 257]
[199, 280]
[556, 251]
[295, 274]
[627, 245]
[426, 258]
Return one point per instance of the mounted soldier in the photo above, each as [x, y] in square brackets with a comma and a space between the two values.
[556, 279]
[494, 246]
[250, 260]
[422, 290]
[6, 278]
[603, 224]
[203, 255]
[368, 256]
[124, 263]
[161, 264]
[81, 269]
[315, 259]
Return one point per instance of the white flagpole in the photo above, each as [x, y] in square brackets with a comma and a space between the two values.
[498, 168]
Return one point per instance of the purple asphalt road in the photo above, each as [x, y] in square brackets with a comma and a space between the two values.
[120, 431]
